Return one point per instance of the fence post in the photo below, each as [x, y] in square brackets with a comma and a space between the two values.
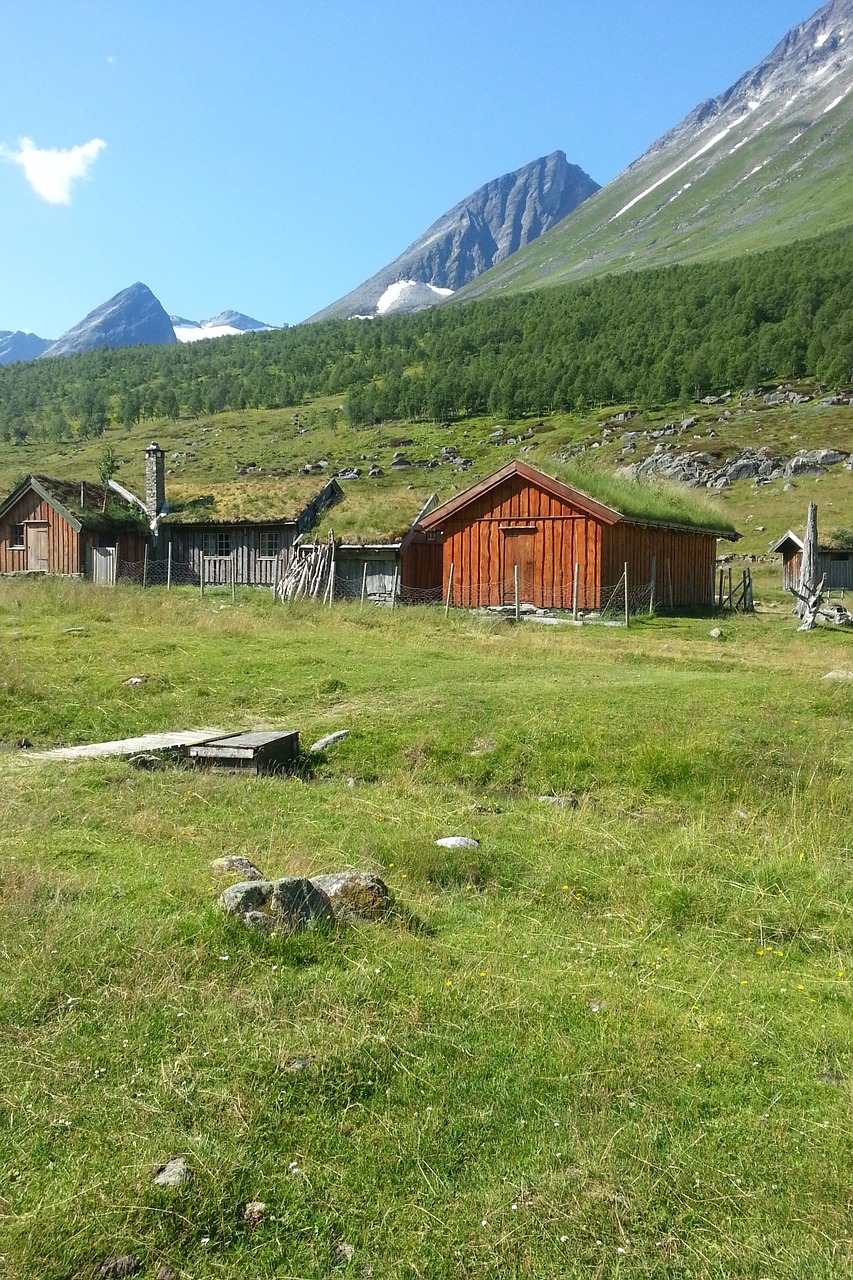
[517, 601]
[575, 592]
[729, 601]
[627, 598]
[394, 588]
[332, 582]
[201, 576]
[713, 582]
[169, 566]
[654, 576]
[720, 601]
[145, 570]
[669, 584]
[449, 591]
[364, 583]
[276, 576]
[233, 559]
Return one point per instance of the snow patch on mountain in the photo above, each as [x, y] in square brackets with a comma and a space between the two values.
[226, 324]
[405, 296]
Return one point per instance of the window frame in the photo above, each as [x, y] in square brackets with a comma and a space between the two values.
[220, 539]
[13, 544]
[269, 538]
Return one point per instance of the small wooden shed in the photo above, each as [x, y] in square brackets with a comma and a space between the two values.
[70, 527]
[833, 564]
[522, 518]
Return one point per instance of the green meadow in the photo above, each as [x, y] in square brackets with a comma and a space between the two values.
[611, 1041]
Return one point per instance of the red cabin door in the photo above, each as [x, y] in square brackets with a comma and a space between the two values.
[520, 550]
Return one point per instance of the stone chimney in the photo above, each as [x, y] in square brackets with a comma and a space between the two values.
[155, 480]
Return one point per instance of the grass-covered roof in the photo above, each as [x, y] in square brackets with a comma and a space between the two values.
[373, 512]
[249, 500]
[654, 502]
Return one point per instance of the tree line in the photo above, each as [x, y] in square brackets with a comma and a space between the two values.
[652, 337]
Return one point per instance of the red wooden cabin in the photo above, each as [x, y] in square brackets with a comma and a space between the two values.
[69, 527]
[521, 517]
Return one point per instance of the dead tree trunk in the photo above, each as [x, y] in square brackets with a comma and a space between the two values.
[808, 565]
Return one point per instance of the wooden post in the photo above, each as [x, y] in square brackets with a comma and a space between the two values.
[808, 563]
[729, 598]
[201, 576]
[575, 592]
[517, 601]
[654, 576]
[364, 583]
[145, 570]
[669, 585]
[713, 583]
[169, 566]
[627, 600]
[276, 577]
[449, 591]
[233, 559]
[332, 582]
[720, 600]
[394, 587]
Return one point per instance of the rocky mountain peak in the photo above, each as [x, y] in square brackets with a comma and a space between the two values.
[132, 318]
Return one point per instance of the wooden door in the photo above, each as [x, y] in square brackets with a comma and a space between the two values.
[37, 548]
[520, 549]
[104, 562]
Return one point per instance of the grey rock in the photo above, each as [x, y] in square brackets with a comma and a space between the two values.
[569, 801]
[716, 634]
[132, 318]
[330, 740]
[147, 761]
[124, 1264]
[234, 864]
[288, 905]
[481, 230]
[839, 675]
[254, 1213]
[174, 1173]
[167, 1273]
[457, 842]
[355, 894]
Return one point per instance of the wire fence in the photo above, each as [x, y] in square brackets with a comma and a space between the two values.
[614, 607]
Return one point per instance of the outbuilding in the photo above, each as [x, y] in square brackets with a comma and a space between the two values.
[833, 564]
[73, 528]
[522, 524]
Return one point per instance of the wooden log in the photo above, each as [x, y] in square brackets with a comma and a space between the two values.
[808, 563]
[394, 587]
[364, 583]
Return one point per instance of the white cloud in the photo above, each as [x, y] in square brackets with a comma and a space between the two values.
[50, 173]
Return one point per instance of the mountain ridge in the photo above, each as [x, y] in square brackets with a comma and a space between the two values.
[483, 228]
[765, 161]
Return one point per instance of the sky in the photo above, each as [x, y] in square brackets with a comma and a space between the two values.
[269, 155]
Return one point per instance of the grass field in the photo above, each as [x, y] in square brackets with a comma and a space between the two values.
[612, 1041]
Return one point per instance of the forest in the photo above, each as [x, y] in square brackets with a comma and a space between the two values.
[652, 337]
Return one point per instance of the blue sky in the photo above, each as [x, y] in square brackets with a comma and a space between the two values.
[268, 155]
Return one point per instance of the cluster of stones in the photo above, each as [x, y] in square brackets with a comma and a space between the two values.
[703, 470]
[292, 904]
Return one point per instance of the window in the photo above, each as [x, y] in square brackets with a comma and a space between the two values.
[269, 543]
[217, 542]
[17, 537]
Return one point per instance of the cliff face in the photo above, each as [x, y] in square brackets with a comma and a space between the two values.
[480, 231]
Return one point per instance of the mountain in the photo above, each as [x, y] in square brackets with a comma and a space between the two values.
[226, 324]
[481, 230]
[766, 162]
[132, 318]
[16, 346]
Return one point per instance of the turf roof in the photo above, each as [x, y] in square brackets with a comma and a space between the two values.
[250, 500]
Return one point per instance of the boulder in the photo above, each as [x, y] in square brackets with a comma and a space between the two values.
[288, 905]
[124, 1264]
[330, 740]
[234, 864]
[457, 842]
[174, 1173]
[569, 801]
[355, 894]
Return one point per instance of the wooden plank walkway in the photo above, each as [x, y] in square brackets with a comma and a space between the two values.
[181, 740]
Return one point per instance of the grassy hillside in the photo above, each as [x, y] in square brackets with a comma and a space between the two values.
[613, 1041]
